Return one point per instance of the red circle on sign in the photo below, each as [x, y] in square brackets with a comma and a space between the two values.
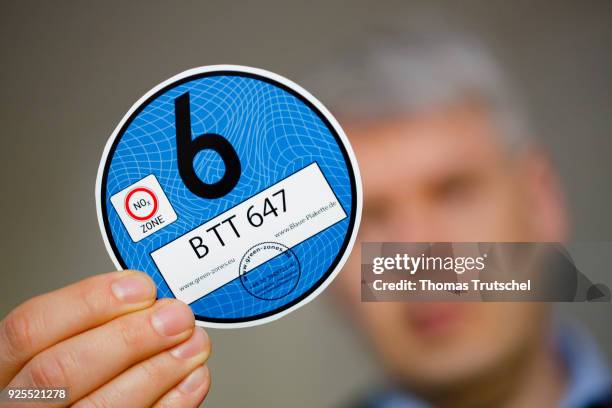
[144, 190]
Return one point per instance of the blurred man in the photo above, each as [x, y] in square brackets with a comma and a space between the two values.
[445, 155]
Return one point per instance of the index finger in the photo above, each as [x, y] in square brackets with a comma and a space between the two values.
[55, 316]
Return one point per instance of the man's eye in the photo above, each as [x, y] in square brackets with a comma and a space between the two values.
[374, 212]
[456, 189]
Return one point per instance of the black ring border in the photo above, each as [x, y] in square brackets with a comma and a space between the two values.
[291, 91]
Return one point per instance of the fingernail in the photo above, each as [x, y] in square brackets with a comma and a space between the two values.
[195, 345]
[133, 289]
[194, 380]
[172, 319]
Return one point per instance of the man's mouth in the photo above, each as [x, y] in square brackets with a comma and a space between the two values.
[434, 319]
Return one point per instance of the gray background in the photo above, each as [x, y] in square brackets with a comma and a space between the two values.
[70, 70]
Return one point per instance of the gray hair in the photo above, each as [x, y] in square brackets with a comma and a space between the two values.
[404, 73]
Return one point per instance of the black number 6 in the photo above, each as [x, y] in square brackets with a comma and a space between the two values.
[186, 150]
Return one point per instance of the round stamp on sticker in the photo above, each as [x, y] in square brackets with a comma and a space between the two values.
[234, 189]
[278, 274]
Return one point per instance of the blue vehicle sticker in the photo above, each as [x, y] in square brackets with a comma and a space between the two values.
[234, 189]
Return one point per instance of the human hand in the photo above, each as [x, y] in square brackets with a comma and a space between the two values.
[109, 342]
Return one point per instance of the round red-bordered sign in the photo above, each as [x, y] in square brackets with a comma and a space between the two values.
[131, 213]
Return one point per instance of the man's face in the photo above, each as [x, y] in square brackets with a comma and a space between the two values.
[445, 176]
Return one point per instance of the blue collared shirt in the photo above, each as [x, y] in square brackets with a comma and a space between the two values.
[589, 382]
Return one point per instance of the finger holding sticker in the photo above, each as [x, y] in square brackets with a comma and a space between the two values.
[234, 189]
[62, 340]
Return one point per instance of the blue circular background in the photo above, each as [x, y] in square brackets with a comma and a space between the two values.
[275, 132]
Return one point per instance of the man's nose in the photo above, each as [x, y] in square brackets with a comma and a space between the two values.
[414, 223]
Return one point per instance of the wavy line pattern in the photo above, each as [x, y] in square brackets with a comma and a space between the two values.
[274, 133]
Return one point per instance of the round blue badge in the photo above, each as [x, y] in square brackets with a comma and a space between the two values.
[234, 189]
